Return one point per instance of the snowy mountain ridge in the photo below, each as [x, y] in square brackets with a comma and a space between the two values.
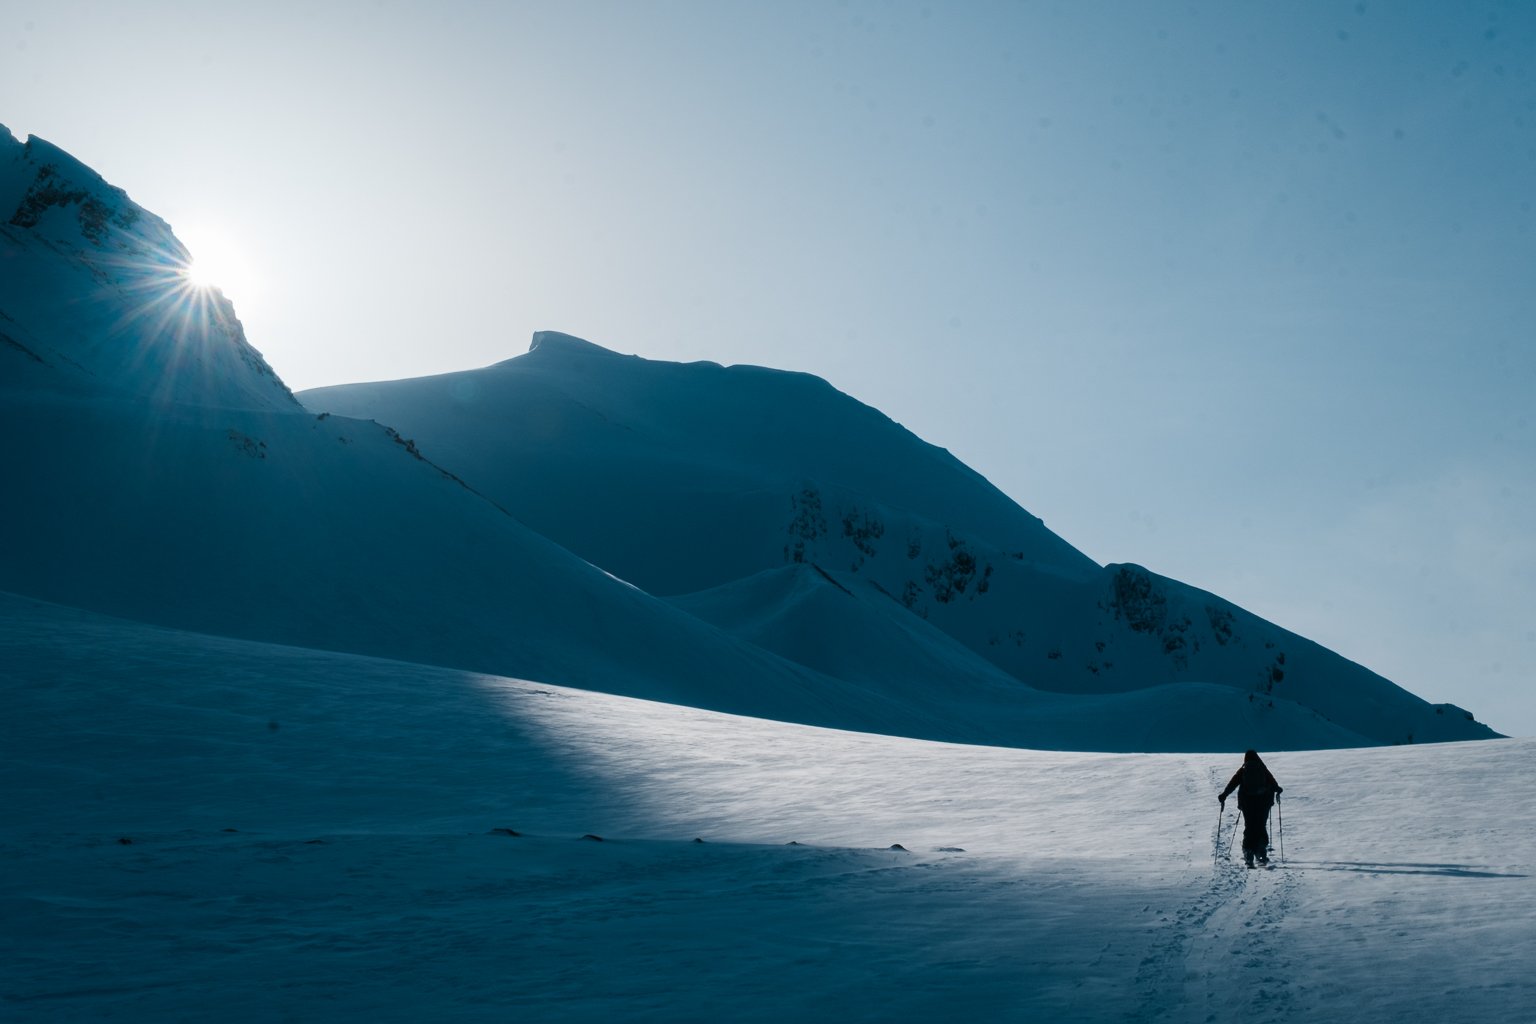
[740, 539]
[726, 475]
[128, 322]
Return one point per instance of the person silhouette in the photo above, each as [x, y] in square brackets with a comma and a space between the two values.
[1256, 792]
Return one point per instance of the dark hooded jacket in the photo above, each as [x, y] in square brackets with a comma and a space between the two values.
[1256, 787]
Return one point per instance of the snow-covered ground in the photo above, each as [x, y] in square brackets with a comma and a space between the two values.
[200, 828]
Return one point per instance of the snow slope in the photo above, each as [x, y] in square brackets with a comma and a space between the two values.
[706, 459]
[200, 827]
[845, 626]
[157, 469]
[329, 533]
[725, 474]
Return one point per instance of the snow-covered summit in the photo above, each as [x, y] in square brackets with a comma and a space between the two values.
[48, 191]
[736, 538]
[551, 341]
[703, 483]
[94, 296]
[677, 440]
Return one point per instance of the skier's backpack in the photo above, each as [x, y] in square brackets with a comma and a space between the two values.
[1257, 785]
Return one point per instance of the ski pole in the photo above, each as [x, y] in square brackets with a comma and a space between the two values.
[1221, 812]
[1231, 838]
[1281, 810]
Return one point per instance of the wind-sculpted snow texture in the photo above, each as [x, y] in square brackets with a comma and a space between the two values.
[203, 828]
[695, 480]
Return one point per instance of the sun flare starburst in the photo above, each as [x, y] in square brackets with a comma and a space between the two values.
[217, 262]
[200, 275]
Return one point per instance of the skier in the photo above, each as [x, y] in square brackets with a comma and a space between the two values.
[1256, 792]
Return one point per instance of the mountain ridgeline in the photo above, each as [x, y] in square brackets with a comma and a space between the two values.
[733, 538]
[750, 496]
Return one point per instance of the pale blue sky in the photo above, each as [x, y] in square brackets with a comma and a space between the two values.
[1239, 291]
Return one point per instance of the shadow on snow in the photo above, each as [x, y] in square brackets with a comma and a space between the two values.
[1384, 868]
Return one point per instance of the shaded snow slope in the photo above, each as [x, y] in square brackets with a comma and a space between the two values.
[335, 534]
[846, 627]
[720, 475]
[840, 624]
[699, 455]
[94, 297]
[157, 469]
[198, 825]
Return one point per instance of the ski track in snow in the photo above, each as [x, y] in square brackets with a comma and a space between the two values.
[1230, 912]
[1239, 921]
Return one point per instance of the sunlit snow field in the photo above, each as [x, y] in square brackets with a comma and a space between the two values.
[208, 829]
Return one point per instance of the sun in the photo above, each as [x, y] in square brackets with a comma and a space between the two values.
[217, 262]
[201, 274]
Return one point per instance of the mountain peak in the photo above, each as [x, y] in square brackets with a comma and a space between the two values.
[96, 296]
[50, 192]
[553, 341]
